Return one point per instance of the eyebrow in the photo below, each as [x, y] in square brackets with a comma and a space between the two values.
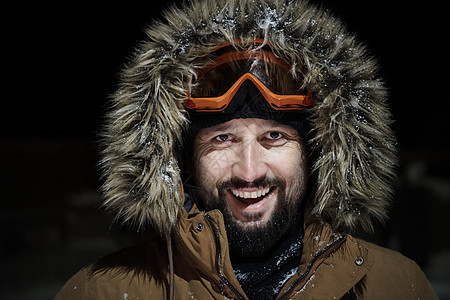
[221, 127]
[227, 127]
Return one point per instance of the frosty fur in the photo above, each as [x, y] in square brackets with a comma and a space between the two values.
[350, 119]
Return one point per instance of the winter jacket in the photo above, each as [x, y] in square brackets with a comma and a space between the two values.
[354, 160]
[332, 266]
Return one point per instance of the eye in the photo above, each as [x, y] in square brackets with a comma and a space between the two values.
[221, 138]
[275, 135]
[274, 139]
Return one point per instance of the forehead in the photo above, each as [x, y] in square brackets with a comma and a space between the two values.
[250, 124]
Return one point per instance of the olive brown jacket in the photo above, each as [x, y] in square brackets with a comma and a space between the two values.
[332, 266]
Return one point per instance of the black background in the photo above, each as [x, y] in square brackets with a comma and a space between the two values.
[59, 63]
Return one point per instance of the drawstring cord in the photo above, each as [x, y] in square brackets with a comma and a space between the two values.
[171, 273]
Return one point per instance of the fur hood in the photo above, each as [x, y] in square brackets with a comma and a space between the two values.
[350, 121]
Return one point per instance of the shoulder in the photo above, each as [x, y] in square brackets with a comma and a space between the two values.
[390, 261]
[392, 271]
[129, 270]
[384, 255]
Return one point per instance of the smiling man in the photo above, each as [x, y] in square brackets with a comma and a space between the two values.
[252, 136]
[254, 171]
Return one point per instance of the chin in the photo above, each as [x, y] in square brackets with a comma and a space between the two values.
[251, 223]
[253, 220]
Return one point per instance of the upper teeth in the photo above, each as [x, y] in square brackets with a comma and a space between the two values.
[247, 195]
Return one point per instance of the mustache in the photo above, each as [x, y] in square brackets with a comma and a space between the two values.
[239, 183]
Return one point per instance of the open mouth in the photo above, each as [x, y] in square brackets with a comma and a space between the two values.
[252, 204]
[252, 195]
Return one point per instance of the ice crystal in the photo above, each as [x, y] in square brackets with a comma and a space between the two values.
[286, 277]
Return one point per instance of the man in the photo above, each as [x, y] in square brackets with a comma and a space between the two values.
[286, 147]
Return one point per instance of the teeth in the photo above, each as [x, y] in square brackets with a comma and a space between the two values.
[251, 195]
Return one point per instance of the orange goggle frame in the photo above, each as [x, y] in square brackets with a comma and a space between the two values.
[277, 102]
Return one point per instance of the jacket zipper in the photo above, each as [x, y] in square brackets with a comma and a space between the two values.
[219, 272]
[310, 264]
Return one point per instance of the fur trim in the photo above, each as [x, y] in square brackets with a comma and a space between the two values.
[350, 119]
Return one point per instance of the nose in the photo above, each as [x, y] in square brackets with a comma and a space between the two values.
[250, 161]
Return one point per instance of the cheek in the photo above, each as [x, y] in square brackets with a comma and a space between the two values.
[213, 167]
[290, 164]
[288, 159]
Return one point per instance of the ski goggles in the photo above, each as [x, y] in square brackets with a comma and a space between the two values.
[219, 82]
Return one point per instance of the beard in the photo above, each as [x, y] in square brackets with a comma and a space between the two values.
[253, 238]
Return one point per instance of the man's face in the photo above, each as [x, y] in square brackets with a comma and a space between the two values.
[254, 171]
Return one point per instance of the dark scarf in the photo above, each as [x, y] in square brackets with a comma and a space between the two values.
[263, 278]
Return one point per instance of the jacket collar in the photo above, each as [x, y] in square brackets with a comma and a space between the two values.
[328, 256]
